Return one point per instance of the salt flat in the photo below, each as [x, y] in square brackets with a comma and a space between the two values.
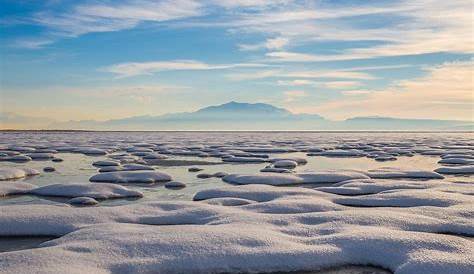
[400, 202]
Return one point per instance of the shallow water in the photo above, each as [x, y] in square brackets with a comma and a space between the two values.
[77, 168]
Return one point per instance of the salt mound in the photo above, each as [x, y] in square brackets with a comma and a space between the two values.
[395, 173]
[285, 164]
[147, 177]
[228, 201]
[91, 151]
[276, 170]
[243, 159]
[296, 178]
[8, 173]
[126, 167]
[16, 158]
[40, 156]
[408, 198]
[105, 163]
[456, 161]
[370, 186]
[83, 201]
[456, 170]
[175, 184]
[270, 179]
[15, 188]
[97, 191]
[300, 161]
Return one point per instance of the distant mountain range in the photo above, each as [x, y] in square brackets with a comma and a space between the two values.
[258, 116]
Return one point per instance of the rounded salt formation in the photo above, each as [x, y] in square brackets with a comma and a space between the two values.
[143, 177]
[175, 184]
[40, 156]
[194, 169]
[204, 176]
[16, 173]
[17, 159]
[220, 174]
[285, 164]
[105, 163]
[456, 170]
[83, 201]
[96, 191]
[383, 158]
[49, 169]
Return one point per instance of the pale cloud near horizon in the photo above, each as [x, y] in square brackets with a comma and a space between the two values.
[446, 92]
[307, 74]
[292, 95]
[147, 68]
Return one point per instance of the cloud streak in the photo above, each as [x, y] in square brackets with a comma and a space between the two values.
[148, 68]
[444, 93]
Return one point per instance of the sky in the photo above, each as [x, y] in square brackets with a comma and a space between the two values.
[97, 60]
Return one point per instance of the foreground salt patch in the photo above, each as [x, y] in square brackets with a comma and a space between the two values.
[296, 178]
[16, 173]
[96, 191]
[146, 177]
[198, 237]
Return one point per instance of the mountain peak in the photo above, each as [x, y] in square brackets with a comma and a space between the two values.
[244, 108]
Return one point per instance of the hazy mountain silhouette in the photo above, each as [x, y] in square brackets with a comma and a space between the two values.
[258, 116]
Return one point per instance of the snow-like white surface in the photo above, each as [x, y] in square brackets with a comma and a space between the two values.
[294, 178]
[97, 191]
[123, 177]
[395, 173]
[16, 173]
[285, 164]
[388, 217]
[14, 188]
[251, 228]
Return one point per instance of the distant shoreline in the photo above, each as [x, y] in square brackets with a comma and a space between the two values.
[249, 131]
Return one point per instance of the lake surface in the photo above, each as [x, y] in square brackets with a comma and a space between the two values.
[78, 168]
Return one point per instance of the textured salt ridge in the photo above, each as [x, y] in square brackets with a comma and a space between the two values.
[16, 173]
[266, 240]
[456, 170]
[146, 177]
[96, 191]
[297, 178]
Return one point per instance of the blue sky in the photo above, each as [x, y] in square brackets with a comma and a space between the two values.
[75, 60]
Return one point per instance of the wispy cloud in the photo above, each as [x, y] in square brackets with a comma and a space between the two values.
[301, 75]
[90, 17]
[148, 68]
[271, 44]
[444, 93]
